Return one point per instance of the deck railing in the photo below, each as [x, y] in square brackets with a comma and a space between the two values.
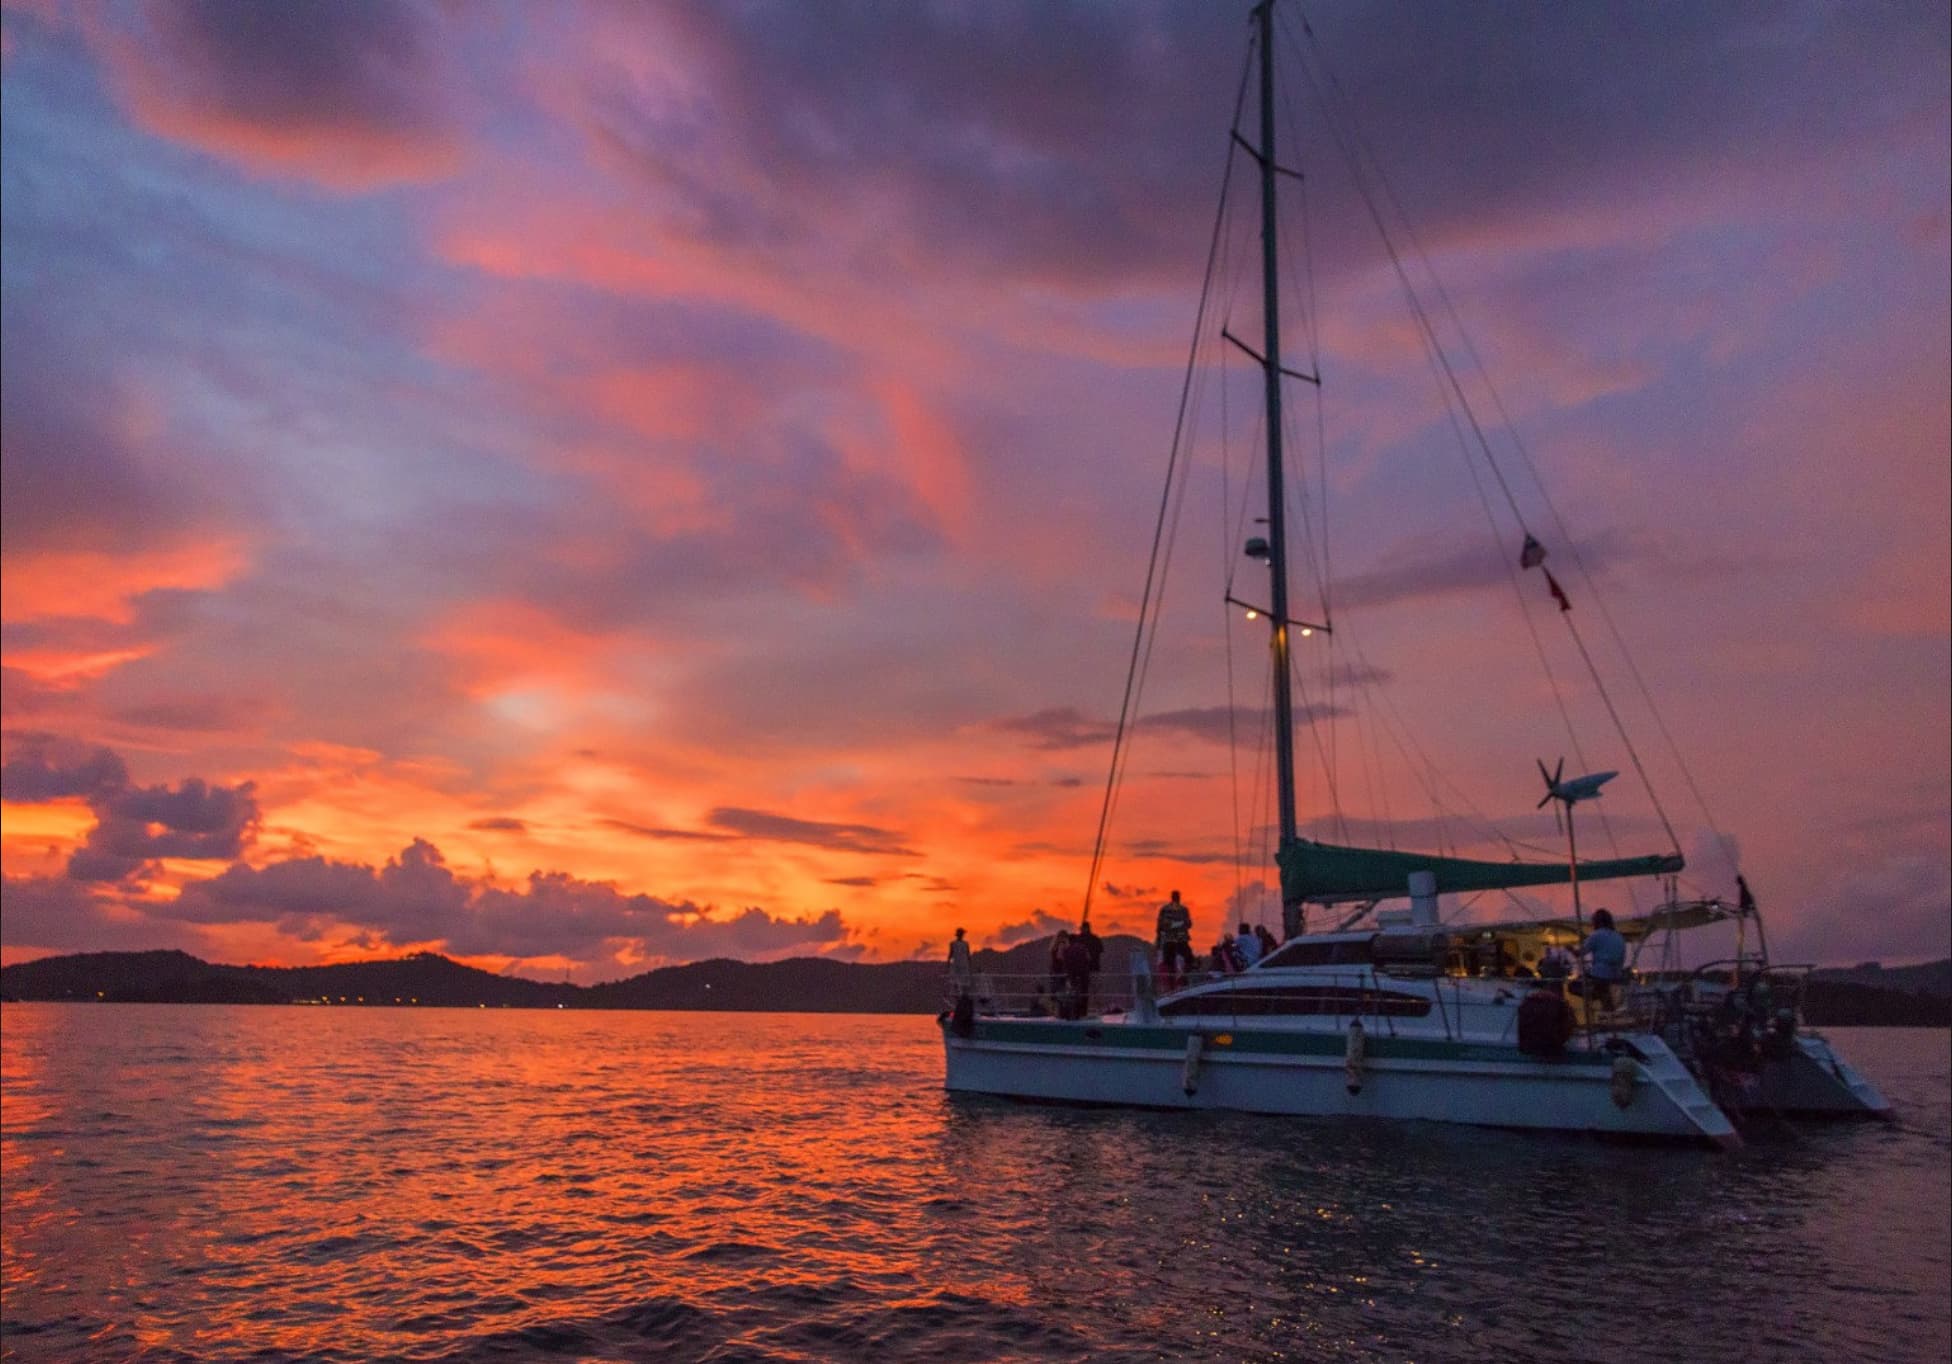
[1044, 996]
[1241, 997]
[1381, 1000]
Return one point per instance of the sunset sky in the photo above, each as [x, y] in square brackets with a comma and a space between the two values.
[586, 486]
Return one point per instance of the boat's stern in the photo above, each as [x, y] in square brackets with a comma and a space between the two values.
[1814, 1081]
[1648, 1076]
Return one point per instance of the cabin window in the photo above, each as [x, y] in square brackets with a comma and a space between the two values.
[1290, 1000]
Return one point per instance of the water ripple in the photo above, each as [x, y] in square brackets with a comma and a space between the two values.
[239, 1184]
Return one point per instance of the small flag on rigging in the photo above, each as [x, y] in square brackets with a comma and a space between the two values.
[1531, 554]
[1558, 592]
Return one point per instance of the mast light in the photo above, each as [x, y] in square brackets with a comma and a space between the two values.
[1304, 627]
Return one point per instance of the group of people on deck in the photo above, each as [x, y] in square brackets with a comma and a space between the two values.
[1173, 941]
[1076, 956]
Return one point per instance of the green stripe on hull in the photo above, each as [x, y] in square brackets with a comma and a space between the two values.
[1378, 1045]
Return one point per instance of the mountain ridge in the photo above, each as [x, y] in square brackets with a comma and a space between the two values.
[1914, 996]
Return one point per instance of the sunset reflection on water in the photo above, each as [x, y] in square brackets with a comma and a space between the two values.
[429, 1183]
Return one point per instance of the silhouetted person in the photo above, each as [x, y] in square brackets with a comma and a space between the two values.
[1094, 943]
[1077, 974]
[1223, 959]
[1556, 964]
[1060, 945]
[1247, 947]
[962, 976]
[1174, 939]
[1266, 939]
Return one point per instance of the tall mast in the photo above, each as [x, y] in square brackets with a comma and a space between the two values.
[1284, 728]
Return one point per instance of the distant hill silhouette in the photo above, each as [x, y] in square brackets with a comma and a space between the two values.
[1932, 978]
[424, 978]
[1835, 998]
[1846, 1004]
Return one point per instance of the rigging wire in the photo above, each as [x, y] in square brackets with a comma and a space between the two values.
[1431, 345]
[1155, 566]
[1201, 364]
[1349, 141]
[1227, 643]
[1402, 735]
[1587, 576]
[1355, 149]
[1518, 443]
[1264, 774]
[1315, 732]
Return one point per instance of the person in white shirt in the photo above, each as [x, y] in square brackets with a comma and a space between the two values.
[960, 971]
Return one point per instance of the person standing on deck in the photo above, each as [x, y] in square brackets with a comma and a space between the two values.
[1174, 939]
[1094, 944]
[1094, 953]
[962, 976]
[1060, 947]
[1605, 952]
[1077, 974]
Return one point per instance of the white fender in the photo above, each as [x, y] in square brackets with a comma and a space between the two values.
[1354, 1056]
[1189, 1075]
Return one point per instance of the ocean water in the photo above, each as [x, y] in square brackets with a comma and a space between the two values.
[262, 1183]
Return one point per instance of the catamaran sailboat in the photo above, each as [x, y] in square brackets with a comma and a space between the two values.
[1398, 1014]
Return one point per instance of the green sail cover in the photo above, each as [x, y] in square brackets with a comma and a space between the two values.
[1325, 874]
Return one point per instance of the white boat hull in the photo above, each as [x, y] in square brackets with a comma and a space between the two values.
[1306, 1074]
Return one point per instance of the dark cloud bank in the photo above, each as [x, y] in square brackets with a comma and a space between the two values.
[415, 897]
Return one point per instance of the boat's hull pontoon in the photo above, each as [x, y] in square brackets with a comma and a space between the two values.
[1635, 1086]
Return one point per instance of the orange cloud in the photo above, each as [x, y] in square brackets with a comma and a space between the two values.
[103, 585]
[499, 644]
[350, 160]
[36, 839]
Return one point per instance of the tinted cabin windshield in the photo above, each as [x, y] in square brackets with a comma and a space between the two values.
[1350, 952]
[1290, 1000]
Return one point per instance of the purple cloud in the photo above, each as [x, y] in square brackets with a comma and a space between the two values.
[499, 824]
[42, 767]
[417, 897]
[1059, 728]
[57, 914]
[624, 826]
[85, 467]
[1065, 727]
[349, 95]
[762, 824]
[1040, 924]
[138, 825]
[193, 714]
